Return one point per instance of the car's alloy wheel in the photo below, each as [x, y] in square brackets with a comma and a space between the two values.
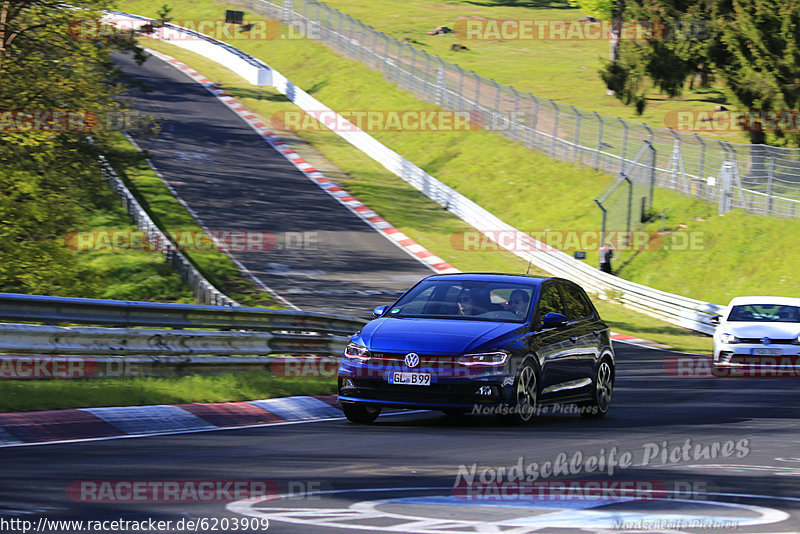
[526, 396]
[603, 389]
[360, 414]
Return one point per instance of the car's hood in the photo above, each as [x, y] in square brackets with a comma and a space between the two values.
[433, 336]
[761, 329]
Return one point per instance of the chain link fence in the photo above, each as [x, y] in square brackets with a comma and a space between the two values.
[766, 178]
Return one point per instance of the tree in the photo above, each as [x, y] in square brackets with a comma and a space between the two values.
[50, 181]
[751, 46]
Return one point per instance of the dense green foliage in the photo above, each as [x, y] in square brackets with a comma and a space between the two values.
[752, 46]
[50, 182]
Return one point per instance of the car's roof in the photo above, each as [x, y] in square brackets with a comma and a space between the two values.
[788, 301]
[493, 277]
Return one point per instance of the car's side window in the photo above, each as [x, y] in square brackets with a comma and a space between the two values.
[550, 301]
[575, 303]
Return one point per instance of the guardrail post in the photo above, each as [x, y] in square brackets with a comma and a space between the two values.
[577, 133]
[535, 119]
[478, 96]
[497, 110]
[441, 84]
[726, 192]
[514, 114]
[623, 151]
[555, 128]
[770, 177]
[598, 148]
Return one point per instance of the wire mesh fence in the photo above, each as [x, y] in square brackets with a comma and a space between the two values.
[768, 178]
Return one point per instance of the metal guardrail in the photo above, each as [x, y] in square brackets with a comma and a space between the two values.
[204, 291]
[184, 329]
[44, 339]
[121, 313]
[70, 367]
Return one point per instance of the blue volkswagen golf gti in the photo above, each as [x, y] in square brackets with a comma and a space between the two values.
[509, 345]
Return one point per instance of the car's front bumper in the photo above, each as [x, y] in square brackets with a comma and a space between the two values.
[464, 395]
[754, 354]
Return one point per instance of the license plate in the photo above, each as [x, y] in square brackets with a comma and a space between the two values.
[767, 352]
[410, 379]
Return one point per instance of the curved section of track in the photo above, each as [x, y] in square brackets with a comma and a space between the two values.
[234, 181]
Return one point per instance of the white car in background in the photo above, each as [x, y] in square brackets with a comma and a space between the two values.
[757, 331]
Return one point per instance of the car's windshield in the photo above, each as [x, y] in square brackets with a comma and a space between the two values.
[766, 313]
[466, 299]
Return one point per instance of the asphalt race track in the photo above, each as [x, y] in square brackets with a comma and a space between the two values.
[325, 258]
[398, 475]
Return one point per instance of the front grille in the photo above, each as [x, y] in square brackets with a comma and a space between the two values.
[397, 358]
[757, 341]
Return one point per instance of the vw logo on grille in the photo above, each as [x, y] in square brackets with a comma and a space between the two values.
[412, 359]
[765, 340]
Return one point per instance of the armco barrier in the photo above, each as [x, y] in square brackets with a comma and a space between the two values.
[675, 309]
[120, 313]
[204, 291]
[44, 339]
[39, 367]
[184, 329]
[246, 66]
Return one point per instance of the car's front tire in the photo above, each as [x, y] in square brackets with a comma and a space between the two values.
[358, 413]
[602, 390]
[526, 396]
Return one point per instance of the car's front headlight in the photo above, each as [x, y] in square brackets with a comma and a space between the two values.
[484, 358]
[796, 340]
[729, 339]
[357, 352]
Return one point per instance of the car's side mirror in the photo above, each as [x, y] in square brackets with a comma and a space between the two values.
[554, 320]
[715, 320]
[377, 311]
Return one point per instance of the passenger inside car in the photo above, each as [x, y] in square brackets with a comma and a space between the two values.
[465, 302]
[518, 302]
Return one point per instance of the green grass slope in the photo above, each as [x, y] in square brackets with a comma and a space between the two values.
[526, 189]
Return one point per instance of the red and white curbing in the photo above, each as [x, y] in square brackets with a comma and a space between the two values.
[83, 424]
[379, 224]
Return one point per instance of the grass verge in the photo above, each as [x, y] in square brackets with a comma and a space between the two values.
[564, 70]
[30, 395]
[171, 216]
[127, 275]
